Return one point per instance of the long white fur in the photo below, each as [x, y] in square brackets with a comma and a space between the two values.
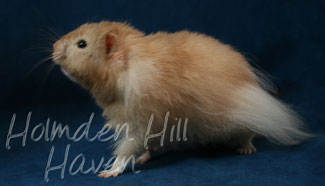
[265, 115]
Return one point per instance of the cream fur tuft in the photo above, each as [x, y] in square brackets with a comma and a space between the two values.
[267, 116]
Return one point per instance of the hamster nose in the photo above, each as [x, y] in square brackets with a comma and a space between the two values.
[55, 45]
[59, 51]
[60, 47]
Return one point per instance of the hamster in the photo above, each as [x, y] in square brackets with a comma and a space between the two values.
[189, 76]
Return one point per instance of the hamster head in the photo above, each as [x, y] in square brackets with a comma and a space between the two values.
[95, 54]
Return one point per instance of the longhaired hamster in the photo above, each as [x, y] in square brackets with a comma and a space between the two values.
[142, 80]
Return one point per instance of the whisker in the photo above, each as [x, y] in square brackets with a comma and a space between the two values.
[50, 31]
[60, 32]
[46, 49]
[46, 74]
[49, 34]
[43, 77]
[56, 34]
[42, 61]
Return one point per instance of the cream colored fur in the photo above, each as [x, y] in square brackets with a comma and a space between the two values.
[189, 75]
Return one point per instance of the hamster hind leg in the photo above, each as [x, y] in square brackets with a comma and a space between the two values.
[144, 158]
[245, 144]
[247, 148]
[242, 142]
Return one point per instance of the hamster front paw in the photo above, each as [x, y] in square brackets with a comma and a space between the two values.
[110, 173]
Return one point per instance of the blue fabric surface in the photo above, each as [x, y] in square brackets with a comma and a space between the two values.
[284, 38]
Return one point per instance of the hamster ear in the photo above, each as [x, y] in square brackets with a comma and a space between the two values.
[110, 43]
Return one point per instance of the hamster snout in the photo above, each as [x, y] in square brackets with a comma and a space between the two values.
[59, 51]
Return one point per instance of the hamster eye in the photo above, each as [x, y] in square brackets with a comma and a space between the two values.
[82, 44]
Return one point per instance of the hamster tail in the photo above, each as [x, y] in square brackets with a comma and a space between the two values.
[263, 114]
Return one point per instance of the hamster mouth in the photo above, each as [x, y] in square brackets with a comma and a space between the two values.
[58, 58]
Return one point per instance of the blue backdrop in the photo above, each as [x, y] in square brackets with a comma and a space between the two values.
[284, 38]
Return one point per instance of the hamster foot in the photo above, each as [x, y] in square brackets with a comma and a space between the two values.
[247, 149]
[144, 158]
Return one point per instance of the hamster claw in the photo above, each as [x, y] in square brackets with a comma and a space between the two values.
[109, 173]
[247, 149]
